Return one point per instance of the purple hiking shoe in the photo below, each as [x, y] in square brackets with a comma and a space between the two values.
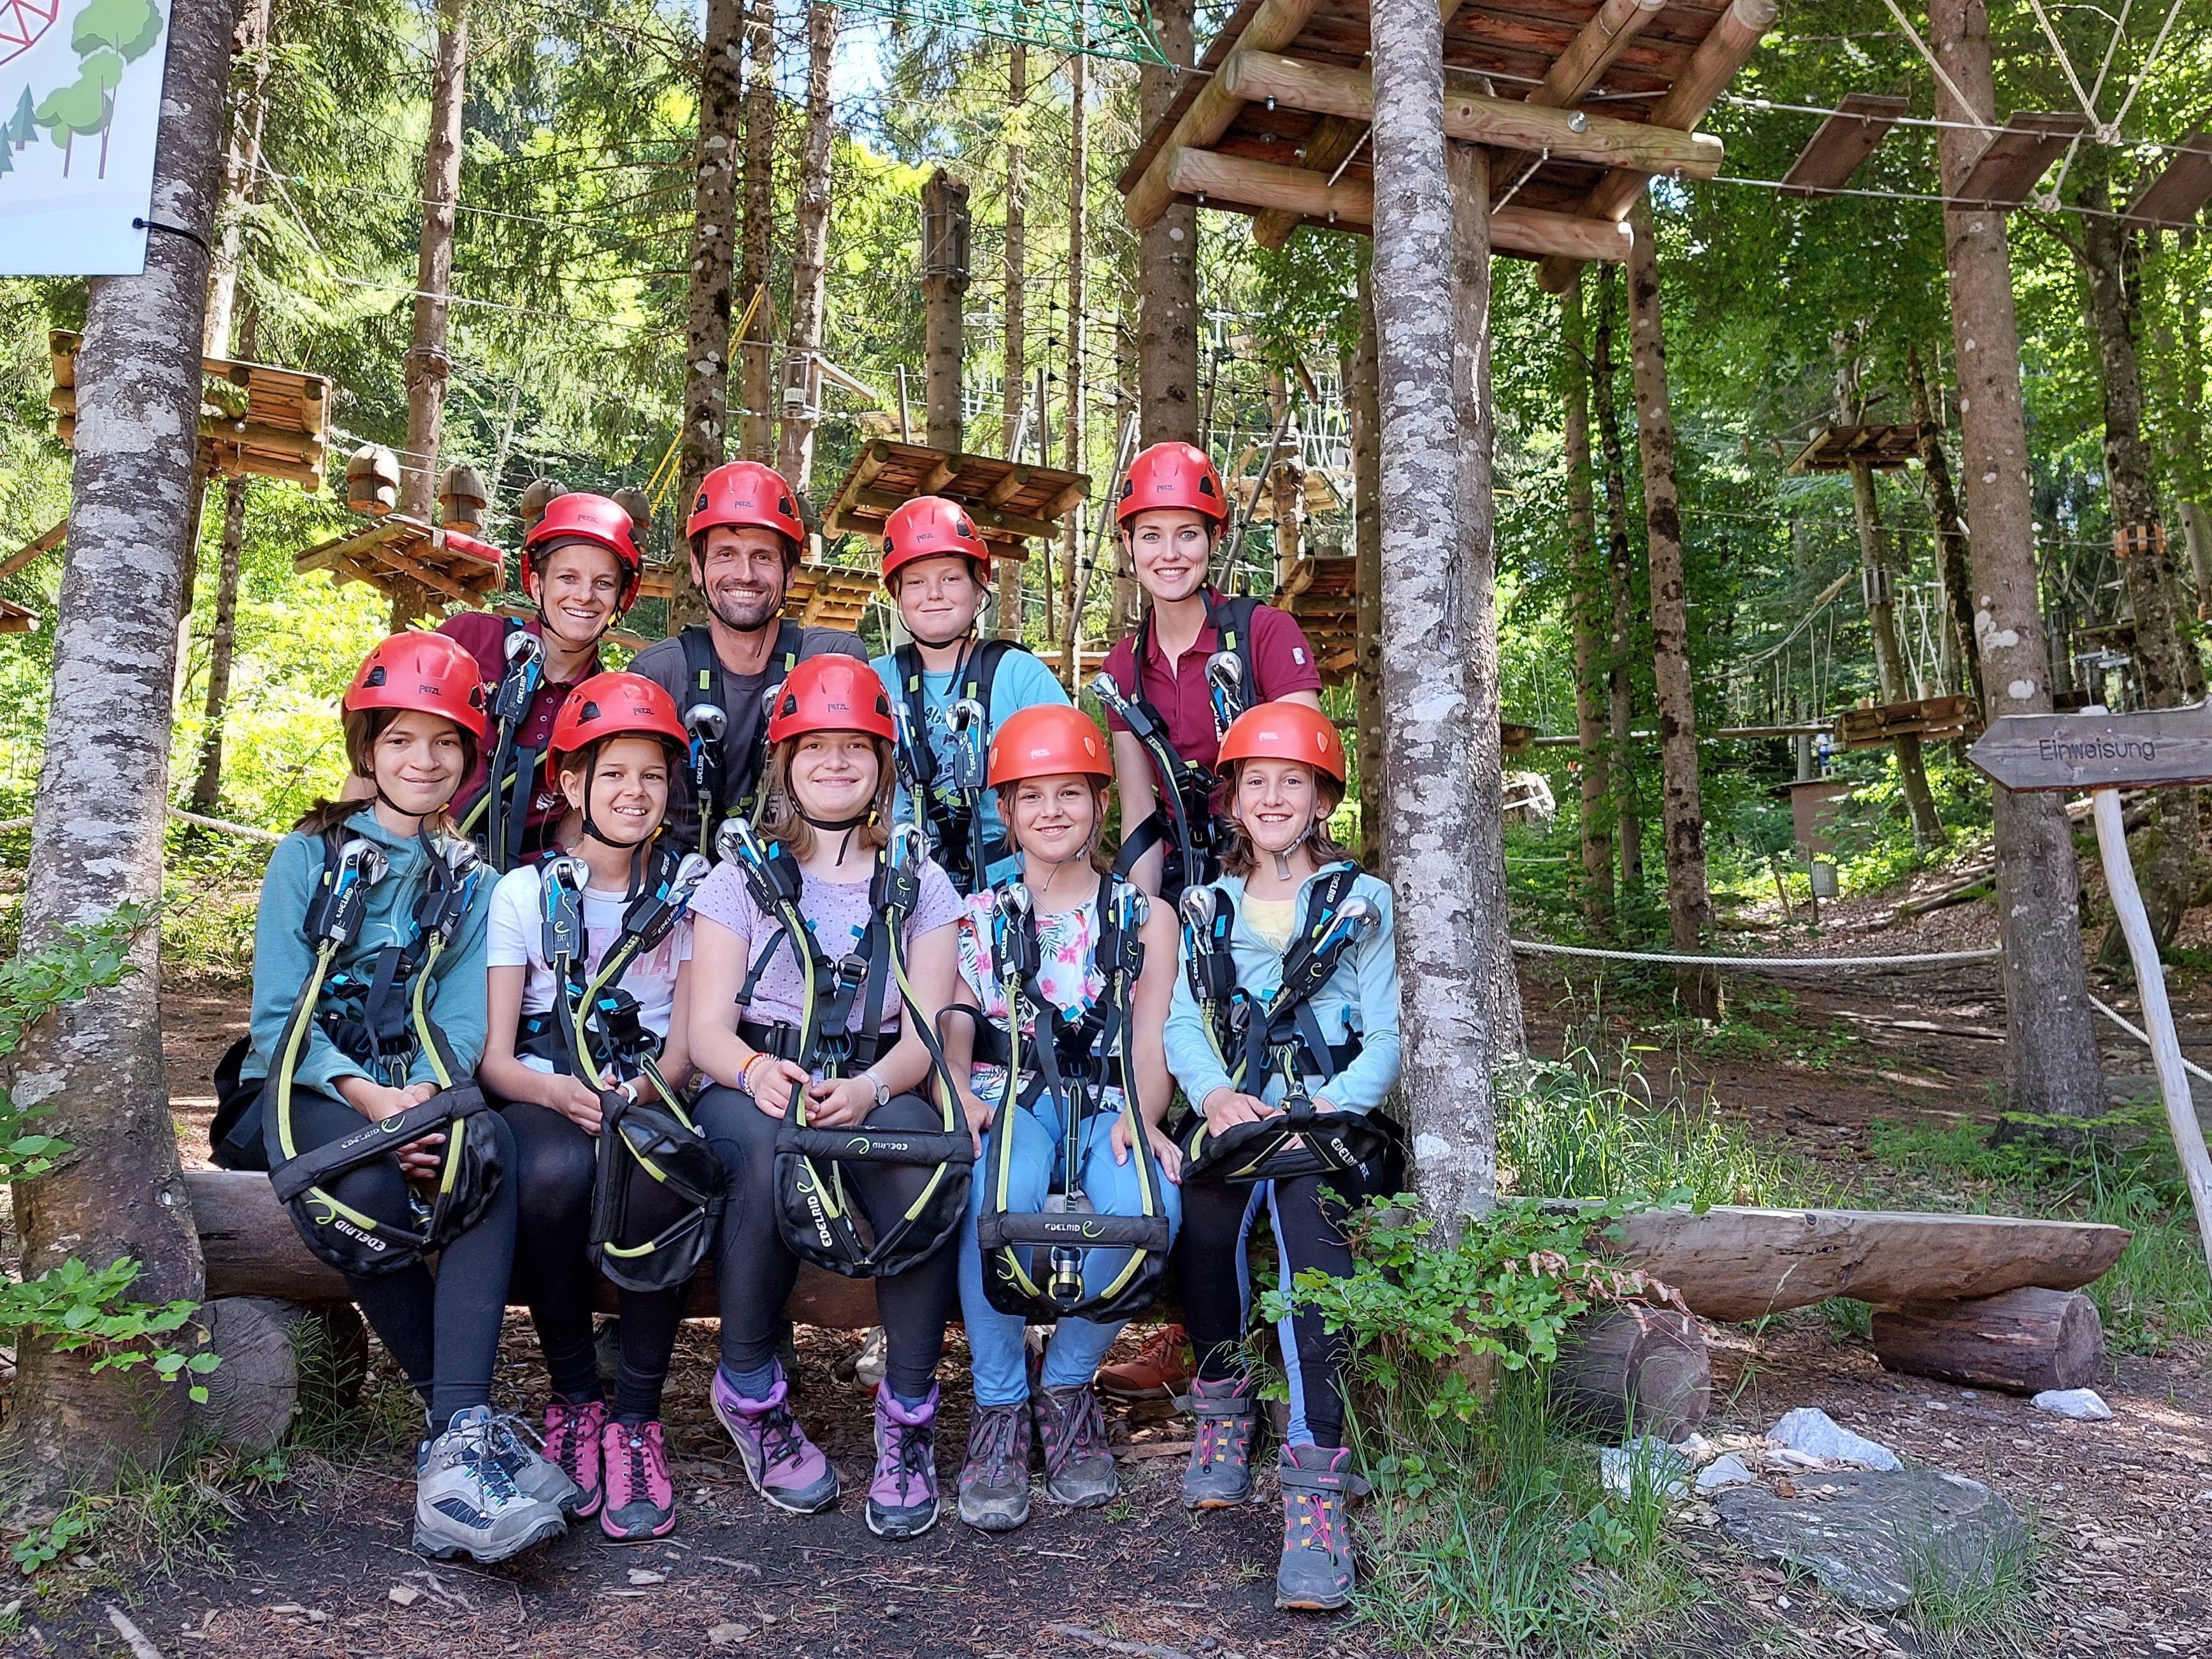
[785, 1466]
[902, 1497]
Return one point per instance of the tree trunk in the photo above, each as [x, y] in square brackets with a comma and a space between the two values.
[1889, 656]
[1952, 564]
[1286, 477]
[1468, 171]
[2181, 352]
[714, 249]
[2022, 1342]
[1689, 908]
[2167, 876]
[2051, 1050]
[1078, 179]
[1367, 582]
[207, 786]
[1586, 607]
[241, 172]
[944, 202]
[429, 365]
[1620, 590]
[1430, 728]
[756, 429]
[810, 253]
[102, 798]
[1015, 369]
[1167, 328]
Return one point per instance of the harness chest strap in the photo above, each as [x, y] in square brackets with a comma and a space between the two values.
[708, 681]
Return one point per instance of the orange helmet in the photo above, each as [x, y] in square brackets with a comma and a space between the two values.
[927, 527]
[1285, 731]
[1175, 475]
[831, 693]
[1047, 740]
[746, 493]
[581, 516]
[427, 673]
[615, 705]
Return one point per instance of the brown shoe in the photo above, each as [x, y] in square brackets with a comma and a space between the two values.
[1160, 1369]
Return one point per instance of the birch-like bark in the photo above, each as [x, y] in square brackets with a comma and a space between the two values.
[1621, 592]
[98, 819]
[1014, 363]
[2051, 1048]
[809, 254]
[1167, 328]
[756, 428]
[1446, 993]
[1889, 657]
[1689, 905]
[1587, 614]
[1361, 405]
[1954, 561]
[1079, 180]
[714, 254]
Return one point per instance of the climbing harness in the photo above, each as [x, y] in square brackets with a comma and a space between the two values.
[503, 809]
[1072, 1057]
[815, 1213]
[947, 799]
[721, 792]
[381, 1022]
[704, 723]
[1282, 1035]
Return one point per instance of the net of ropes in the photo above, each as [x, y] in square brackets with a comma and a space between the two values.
[1094, 29]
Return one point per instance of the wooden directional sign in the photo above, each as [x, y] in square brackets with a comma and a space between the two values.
[2098, 751]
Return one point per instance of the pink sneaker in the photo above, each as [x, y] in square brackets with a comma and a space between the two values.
[572, 1445]
[785, 1466]
[903, 1498]
[641, 1499]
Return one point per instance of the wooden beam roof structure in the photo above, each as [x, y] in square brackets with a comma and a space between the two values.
[1009, 500]
[1835, 448]
[1274, 121]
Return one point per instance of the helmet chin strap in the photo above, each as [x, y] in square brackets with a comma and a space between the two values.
[636, 848]
[847, 825]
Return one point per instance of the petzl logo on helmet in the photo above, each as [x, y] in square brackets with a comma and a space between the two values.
[429, 690]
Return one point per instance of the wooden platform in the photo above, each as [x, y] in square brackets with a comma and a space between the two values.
[397, 548]
[1834, 449]
[15, 618]
[1934, 719]
[1322, 592]
[255, 418]
[1009, 500]
[819, 595]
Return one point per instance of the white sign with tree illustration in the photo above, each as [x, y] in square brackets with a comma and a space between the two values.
[80, 105]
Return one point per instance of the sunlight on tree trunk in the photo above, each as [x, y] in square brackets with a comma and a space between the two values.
[1586, 613]
[810, 253]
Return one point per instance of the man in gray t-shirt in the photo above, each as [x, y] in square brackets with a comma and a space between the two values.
[745, 536]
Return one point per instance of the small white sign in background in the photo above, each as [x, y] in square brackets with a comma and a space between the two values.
[80, 104]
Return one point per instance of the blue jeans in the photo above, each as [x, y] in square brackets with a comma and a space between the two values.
[995, 1339]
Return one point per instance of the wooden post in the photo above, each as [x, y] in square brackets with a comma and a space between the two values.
[1635, 1370]
[1889, 656]
[810, 255]
[1286, 479]
[1014, 370]
[1167, 321]
[713, 251]
[756, 429]
[944, 284]
[1586, 611]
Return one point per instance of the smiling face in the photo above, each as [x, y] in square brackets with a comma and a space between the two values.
[834, 774]
[1169, 547]
[578, 585]
[629, 782]
[740, 570]
[937, 598]
[1054, 818]
[418, 760]
[1276, 802]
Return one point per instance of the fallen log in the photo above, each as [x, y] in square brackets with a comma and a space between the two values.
[280, 1359]
[2022, 1342]
[1634, 1370]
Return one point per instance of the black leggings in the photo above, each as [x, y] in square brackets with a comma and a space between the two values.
[754, 1270]
[443, 1332]
[1306, 1214]
[554, 1162]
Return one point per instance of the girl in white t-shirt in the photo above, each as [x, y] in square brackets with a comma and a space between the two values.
[616, 745]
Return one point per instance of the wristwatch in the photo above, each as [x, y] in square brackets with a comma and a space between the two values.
[883, 1090]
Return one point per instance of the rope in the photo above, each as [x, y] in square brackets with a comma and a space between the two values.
[9, 826]
[1540, 947]
[2143, 1037]
[1951, 85]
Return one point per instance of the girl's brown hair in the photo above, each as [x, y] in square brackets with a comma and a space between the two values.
[780, 820]
[363, 728]
[1099, 862]
[1237, 856]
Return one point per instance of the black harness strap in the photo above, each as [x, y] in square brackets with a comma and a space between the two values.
[949, 799]
[744, 728]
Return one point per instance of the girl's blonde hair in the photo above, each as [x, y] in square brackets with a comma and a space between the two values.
[363, 727]
[1238, 857]
[779, 816]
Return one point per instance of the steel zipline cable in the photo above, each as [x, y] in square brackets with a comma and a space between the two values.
[1786, 964]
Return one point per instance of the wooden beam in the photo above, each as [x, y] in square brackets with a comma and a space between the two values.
[1334, 139]
[1263, 184]
[2007, 170]
[1007, 488]
[938, 475]
[1513, 123]
[31, 550]
[1069, 494]
[1722, 52]
[2177, 194]
[1842, 143]
[1275, 25]
[1586, 59]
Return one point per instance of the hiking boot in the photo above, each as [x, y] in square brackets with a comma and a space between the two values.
[994, 1482]
[1078, 1464]
[1162, 1366]
[535, 1475]
[572, 1445]
[1220, 1472]
[872, 1360]
[467, 1502]
[641, 1498]
[902, 1497]
[785, 1466]
[1317, 1570]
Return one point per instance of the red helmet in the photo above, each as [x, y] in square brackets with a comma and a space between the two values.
[1285, 731]
[747, 493]
[427, 673]
[613, 705]
[927, 527]
[581, 516]
[1172, 474]
[831, 693]
[1047, 740]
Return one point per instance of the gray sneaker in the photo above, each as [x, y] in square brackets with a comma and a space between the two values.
[467, 1502]
[1316, 1573]
[994, 1482]
[1220, 1471]
[534, 1474]
[1078, 1464]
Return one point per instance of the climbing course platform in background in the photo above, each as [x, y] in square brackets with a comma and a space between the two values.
[1010, 502]
[1933, 719]
[1835, 448]
[1321, 590]
[255, 418]
[397, 549]
[1097, 28]
[818, 595]
[15, 619]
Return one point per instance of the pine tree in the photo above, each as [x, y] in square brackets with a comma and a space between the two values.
[24, 126]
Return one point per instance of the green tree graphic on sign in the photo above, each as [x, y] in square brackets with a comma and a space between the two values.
[109, 35]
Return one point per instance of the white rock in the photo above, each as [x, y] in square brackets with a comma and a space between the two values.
[1725, 1471]
[2082, 1405]
[1648, 1460]
[405, 1594]
[1812, 1430]
[1695, 1447]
